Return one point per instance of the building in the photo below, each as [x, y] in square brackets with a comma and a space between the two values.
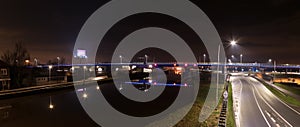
[35, 76]
[4, 76]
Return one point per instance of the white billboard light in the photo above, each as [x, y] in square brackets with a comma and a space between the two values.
[81, 53]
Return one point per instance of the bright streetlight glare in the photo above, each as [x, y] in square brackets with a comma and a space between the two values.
[233, 42]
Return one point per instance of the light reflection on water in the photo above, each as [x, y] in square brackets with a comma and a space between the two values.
[55, 109]
[59, 109]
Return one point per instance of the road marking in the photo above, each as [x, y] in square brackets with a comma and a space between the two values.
[273, 119]
[260, 109]
[270, 106]
[236, 91]
[287, 105]
[268, 113]
[253, 79]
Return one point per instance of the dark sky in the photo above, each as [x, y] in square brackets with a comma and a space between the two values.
[264, 28]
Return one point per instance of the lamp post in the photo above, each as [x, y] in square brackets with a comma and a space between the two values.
[58, 62]
[27, 62]
[232, 43]
[274, 69]
[84, 68]
[270, 60]
[121, 59]
[218, 67]
[146, 59]
[49, 67]
[36, 61]
[204, 58]
[241, 58]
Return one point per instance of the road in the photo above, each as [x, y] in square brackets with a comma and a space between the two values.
[258, 107]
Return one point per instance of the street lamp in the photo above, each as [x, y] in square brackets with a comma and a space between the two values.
[27, 62]
[84, 68]
[57, 62]
[233, 42]
[229, 60]
[274, 67]
[146, 59]
[204, 58]
[121, 59]
[50, 67]
[35, 61]
[270, 60]
[241, 58]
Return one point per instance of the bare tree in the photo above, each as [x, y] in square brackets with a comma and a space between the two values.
[54, 61]
[16, 59]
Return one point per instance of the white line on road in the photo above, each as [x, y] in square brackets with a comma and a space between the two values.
[260, 109]
[255, 80]
[274, 121]
[287, 105]
[271, 106]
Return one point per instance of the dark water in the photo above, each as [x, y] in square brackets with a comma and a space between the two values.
[34, 111]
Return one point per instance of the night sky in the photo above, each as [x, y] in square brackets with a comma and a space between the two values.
[263, 28]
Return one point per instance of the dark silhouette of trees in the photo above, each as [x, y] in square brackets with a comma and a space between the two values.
[54, 61]
[16, 59]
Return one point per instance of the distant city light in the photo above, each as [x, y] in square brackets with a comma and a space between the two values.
[270, 60]
[100, 69]
[81, 53]
[51, 106]
[84, 95]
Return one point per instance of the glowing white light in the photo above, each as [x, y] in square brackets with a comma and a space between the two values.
[133, 67]
[51, 106]
[84, 95]
[233, 42]
[100, 69]
[150, 66]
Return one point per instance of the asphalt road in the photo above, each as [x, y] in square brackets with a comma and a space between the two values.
[261, 108]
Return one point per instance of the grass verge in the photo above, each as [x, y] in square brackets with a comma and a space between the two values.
[191, 119]
[282, 96]
[230, 121]
[292, 89]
